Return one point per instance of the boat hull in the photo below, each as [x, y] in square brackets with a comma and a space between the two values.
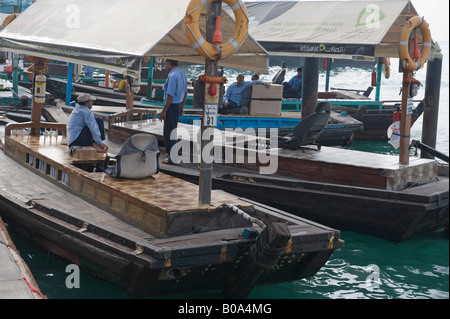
[134, 273]
[391, 215]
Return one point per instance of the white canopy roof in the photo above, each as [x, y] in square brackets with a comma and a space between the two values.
[115, 35]
[343, 29]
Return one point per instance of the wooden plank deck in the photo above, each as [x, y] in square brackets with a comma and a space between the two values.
[159, 204]
[329, 165]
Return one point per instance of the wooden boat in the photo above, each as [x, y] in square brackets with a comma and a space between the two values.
[376, 116]
[350, 190]
[149, 236]
[340, 131]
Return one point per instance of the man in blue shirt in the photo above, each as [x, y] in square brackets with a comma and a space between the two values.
[235, 92]
[294, 86]
[83, 129]
[175, 94]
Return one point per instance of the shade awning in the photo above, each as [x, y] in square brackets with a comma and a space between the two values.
[339, 29]
[116, 35]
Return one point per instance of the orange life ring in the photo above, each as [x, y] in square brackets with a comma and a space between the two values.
[205, 48]
[405, 58]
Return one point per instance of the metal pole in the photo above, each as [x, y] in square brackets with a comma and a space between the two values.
[150, 78]
[379, 73]
[205, 169]
[15, 74]
[431, 102]
[69, 84]
[405, 122]
[327, 80]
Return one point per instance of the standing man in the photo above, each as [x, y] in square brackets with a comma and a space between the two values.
[175, 94]
[83, 129]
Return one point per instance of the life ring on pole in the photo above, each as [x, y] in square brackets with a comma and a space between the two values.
[205, 48]
[386, 67]
[406, 60]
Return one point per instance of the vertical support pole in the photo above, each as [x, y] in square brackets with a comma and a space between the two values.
[106, 79]
[205, 169]
[405, 122]
[130, 94]
[36, 109]
[150, 78]
[69, 84]
[327, 80]
[15, 74]
[379, 73]
[431, 101]
[310, 86]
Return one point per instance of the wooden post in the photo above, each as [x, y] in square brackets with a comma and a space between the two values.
[431, 100]
[205, 169]
[405, 122]
[130, 94]
[106, 79]
[36, 109]
[269, 246]
[310, 86]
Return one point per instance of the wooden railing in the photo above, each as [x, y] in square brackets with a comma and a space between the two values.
[132, 115]
[36, 127]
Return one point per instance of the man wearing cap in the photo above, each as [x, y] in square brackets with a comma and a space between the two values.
[83, 129]
[175, 94]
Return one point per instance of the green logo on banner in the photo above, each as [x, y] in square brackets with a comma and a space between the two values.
[371, 16]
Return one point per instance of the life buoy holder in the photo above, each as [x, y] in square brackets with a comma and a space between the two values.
[213, 79]
[207, 49]
[406, 60]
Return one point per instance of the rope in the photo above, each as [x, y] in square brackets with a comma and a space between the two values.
[245, 215]
[263, 254]
[401, 135]
[34, 289]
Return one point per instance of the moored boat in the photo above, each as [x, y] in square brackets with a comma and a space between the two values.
[350, 190]
[148, 235]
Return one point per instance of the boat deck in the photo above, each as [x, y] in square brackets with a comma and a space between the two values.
[154, 204]
[327, 165]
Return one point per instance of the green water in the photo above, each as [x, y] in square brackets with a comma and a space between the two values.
[414, 269]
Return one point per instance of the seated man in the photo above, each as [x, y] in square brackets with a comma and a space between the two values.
[83, 129]
[294, 86]
[234, 94]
